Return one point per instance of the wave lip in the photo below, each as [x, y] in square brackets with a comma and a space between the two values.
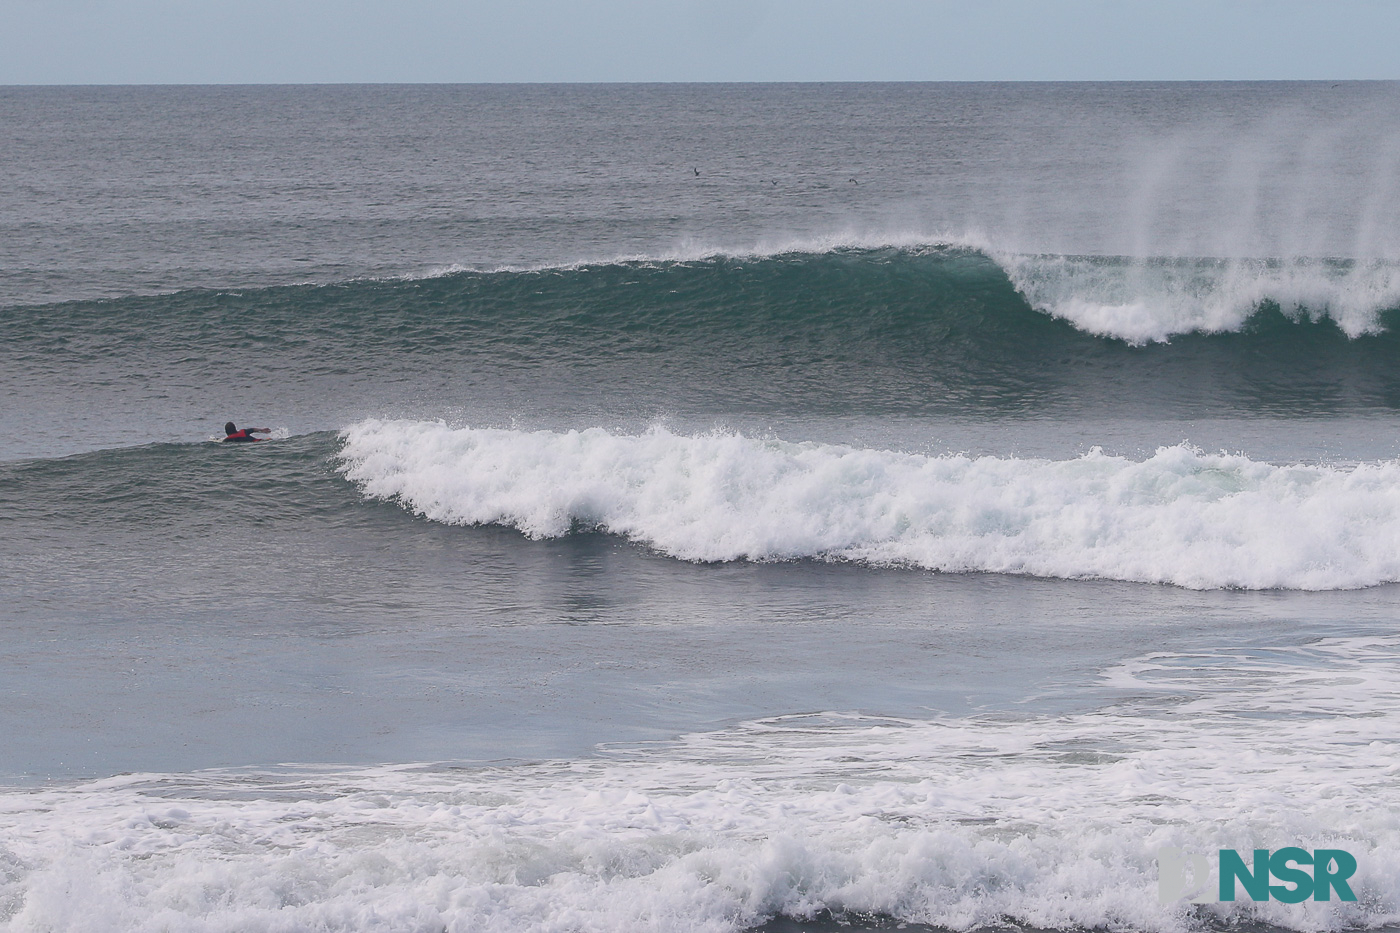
[1184, 517]
[1139, 300]
[1152, 300]
[687, 252]
[1136, 299]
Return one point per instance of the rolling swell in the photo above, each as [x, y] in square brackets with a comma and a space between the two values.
[176, 488]
[197, 531]
[936, 329]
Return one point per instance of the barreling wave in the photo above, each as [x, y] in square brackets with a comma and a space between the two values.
[1183, 517]
[1136, 300]
[908, 329]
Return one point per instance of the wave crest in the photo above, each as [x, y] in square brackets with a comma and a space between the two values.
[1135, 299]
[1183, 517]
[1144, 301]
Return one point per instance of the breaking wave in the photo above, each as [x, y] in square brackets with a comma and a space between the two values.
[1182, 517]
[1142, 301]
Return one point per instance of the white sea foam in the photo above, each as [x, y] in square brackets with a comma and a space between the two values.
[1143, 301]
[1182, 516]
[1047, 821]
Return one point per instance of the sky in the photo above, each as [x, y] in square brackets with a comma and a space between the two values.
[333, 41]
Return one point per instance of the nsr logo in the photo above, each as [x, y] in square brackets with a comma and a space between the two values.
[1187, 876]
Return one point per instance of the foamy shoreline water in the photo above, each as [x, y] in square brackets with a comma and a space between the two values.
[961, 823]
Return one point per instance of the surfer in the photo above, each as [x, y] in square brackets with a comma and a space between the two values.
[234, 435]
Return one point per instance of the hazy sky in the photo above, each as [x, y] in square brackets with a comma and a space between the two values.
[222, 41]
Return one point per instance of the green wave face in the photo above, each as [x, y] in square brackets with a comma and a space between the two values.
[940, 331]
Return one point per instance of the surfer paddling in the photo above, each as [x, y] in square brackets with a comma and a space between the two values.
[232, 435]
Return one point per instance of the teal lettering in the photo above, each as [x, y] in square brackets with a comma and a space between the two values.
[1232, 868]
[1302, 881]
[1324, 880]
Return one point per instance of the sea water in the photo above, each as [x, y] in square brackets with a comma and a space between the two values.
[695, 507]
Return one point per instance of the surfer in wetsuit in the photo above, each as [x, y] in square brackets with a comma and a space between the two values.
[234, 436]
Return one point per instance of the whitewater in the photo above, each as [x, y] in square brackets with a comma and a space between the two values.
[1155, 299]
[1182, 516]
[948, 822]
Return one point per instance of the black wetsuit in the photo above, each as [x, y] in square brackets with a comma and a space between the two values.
[240, 437]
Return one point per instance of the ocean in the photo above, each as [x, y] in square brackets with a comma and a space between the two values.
[720, 508]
